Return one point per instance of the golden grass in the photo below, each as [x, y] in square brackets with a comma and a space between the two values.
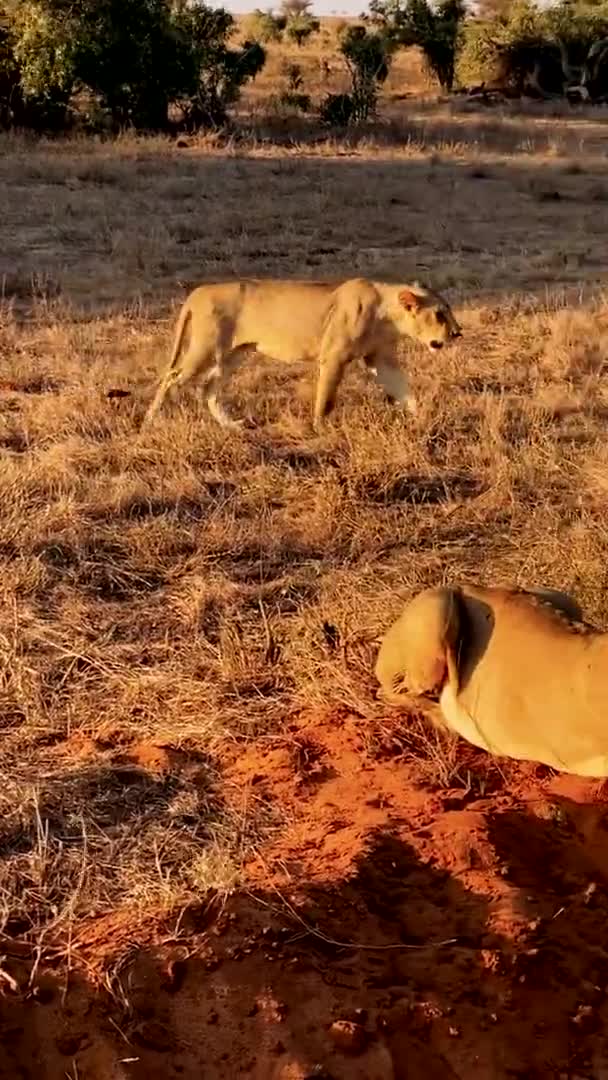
[194, 586]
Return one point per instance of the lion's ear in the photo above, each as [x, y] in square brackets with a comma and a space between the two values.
[409, 300]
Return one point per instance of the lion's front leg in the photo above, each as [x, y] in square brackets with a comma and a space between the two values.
[331, 370]
[394, 382]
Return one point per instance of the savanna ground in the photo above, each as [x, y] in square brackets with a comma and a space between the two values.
[215, 841]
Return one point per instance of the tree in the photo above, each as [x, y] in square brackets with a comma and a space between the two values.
[136, 58]
[124, 53]
[300, 27]
[291, 8]
[367, 54]
[11, 97]
[216, 71]
[40, 61]
[434, 27]
[542, 51]
[264, 26]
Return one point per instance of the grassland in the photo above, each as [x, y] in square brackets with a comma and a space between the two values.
[171, 605]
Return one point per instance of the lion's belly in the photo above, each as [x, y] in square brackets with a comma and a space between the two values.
[287, 347]
[285, 325]
[563, 734]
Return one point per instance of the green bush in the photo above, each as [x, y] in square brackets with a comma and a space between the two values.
[436, 28]
[293, 97]
[215, 73]
[10, 76]
[509, 46]
[264, 26]
[37, 68]
[367, 54]
[338, 110]
[136, 59]
[300, 27]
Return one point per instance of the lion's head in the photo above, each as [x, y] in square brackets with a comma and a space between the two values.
[430, 319]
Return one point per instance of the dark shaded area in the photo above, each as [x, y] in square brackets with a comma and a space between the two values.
[419, 490]
[182, 508]
[401, 950]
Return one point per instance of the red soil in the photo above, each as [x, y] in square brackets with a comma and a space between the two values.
[395, 929]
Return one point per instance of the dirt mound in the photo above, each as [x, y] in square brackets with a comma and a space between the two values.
[402, 923]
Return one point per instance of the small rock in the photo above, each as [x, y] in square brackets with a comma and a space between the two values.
[583, 1015]
[348, 1037]
[491, 960]
[589, 892]
[153, 1036]
[174, 976]
[212, 963]
[69, 1044]
[295, 963]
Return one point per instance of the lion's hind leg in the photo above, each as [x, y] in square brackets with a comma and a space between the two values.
[216, 382]
[177, 375]
[168, 380]
[190, 358]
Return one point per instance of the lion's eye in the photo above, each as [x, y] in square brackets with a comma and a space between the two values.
[441, 319]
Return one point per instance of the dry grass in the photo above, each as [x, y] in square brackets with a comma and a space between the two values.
[196, 587]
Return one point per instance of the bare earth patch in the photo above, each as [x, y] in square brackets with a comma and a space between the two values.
[219, 854]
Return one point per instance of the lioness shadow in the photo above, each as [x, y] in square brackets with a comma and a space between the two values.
[446, 985]
[431, 978]
[421, 976]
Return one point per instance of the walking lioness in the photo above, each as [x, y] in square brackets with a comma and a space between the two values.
[332, 323]
[517, 673]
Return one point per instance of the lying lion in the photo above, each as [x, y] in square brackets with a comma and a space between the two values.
[303, 320]
[517, 673]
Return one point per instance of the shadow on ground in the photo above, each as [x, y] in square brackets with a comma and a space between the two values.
[421, 976]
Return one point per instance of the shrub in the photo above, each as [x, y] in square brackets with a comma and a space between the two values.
[38, 67]
[136, 58]
[300, 27]
[10, 76]
[435, 28]
[216, 72]
[526, 44]
[264, 26]
[367, 54]
[291, 9]
[338, 110]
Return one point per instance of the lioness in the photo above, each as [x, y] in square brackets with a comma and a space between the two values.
[517, 673]
[303, 320]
